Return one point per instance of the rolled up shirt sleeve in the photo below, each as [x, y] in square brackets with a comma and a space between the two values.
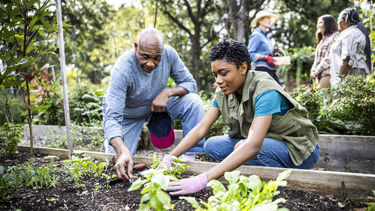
[254, 41]
[347, 49]
[114, 103]
[180, 74]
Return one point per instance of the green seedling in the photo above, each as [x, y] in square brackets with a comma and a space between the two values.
[178, 166]
[243, 193]
[79, 167]
[371, 205]
[16, 178]
[154, 190]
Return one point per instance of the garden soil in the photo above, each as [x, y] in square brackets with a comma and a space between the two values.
[70, 196]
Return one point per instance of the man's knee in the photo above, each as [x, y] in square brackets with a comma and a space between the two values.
[193, 100]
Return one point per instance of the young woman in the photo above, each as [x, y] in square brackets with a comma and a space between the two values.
[260, 46]
[326, 34]
[266, 126]
[351, 47]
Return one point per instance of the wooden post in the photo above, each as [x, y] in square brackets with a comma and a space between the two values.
[63, 73]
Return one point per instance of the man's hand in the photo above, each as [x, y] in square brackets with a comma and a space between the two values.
[124, 162]
[160, 102]
[189, 185]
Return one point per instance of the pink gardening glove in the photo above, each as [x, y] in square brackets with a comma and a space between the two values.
[269, 60]
[167, 161]
[188, 185]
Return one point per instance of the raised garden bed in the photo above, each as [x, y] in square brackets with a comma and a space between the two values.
[92, 193]
[343, 153]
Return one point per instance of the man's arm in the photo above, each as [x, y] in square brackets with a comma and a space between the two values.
[124, 162]
[115, 103]
[160, 102]
[181, 75]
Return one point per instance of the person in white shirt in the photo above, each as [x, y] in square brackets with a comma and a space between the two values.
[351, 47]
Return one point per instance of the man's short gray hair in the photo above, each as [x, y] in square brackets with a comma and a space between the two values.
[150, 31]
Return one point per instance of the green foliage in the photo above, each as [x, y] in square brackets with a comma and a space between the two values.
[154, 189]
[344, 109]
[84, 103]
[371, 205]
[86, 36]
[155, 183]
[243, 193]
[10, 136]
[178, 166]
[14, 179]
[79, 167]
[84, 138]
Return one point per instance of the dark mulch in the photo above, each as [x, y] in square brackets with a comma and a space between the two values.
[69, 196]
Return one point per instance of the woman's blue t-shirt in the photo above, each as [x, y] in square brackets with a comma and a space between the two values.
[268, 103]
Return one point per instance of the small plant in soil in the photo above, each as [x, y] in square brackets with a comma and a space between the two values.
[14, 179]
[178, 166]
[244, 193]
[371, 205]
[156, 183]
[78, 167]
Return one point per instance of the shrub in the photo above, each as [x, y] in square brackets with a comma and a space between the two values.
[11, 135]
[344, 109]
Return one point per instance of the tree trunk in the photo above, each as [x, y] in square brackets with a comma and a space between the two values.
[239, 17]
[196, 51]
[238, 13]
[29, 117]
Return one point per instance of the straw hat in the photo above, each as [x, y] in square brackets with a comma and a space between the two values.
[262, 14]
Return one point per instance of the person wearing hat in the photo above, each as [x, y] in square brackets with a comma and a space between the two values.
[137, 93]
[260, 46]
[266, 127]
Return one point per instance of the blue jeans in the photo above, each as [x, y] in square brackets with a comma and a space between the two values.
[188, 108]
[273, 153]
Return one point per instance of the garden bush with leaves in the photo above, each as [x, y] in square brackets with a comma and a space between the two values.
[10, 137]
[345, 109]
[84, 103]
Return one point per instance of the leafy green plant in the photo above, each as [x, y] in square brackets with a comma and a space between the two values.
[154, 189]
[84, 138]
[14, 179]
[178, 166]
[343, 109]
[10, 136]
[155, 184]
[243, 193]
[371, 205]
[79, 167]
[26, 38]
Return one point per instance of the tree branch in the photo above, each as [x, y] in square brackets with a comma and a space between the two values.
[176, 21]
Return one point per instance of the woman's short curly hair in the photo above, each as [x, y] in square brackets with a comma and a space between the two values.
[231, 51]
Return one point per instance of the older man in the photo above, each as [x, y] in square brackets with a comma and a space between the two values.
[138, 88]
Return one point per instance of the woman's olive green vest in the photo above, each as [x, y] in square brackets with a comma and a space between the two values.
[294, 127]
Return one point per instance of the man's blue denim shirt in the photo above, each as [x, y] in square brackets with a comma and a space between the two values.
[131, 90]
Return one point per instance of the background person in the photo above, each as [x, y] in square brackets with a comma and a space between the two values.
[266, 126]
[137, 88]
[326, 34]
[351, 47]
[260, 46]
